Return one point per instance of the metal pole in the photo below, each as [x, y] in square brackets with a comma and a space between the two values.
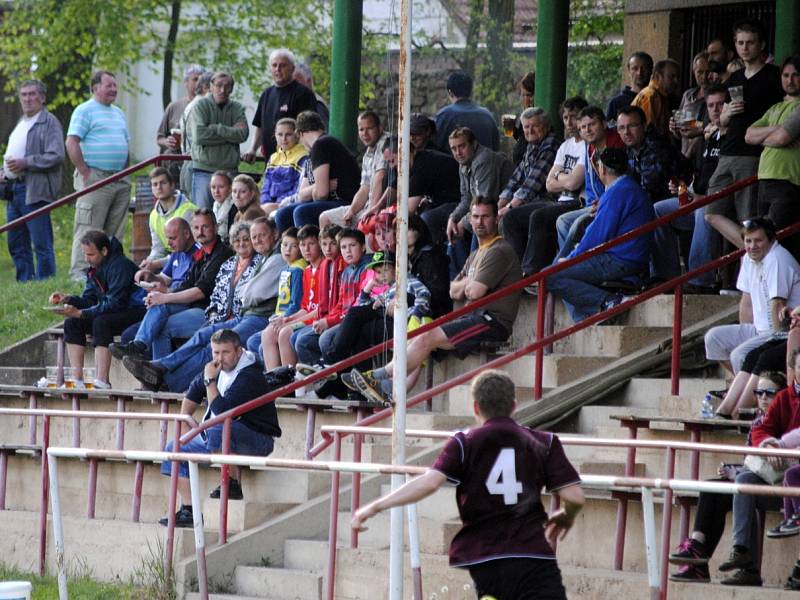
[45, 492]
[650, 546]
[413, 549]
[401, 305]
[345, 70]
[224, 480]
[551, 56]
[333, 525]
[677, 329]
[58, 532]
[199, 537]
[666, 525]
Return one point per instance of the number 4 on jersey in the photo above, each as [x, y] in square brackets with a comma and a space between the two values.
[502, 478]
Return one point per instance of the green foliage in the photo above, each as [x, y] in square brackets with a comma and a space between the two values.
[595, 57]
[79, 586]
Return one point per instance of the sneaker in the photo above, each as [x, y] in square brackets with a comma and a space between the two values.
[101, 385]
[719, 394]
[183, 518]
[370, 388]
[690, 552]
[793, 581]
[150, 374]
[743, 577]
[532, 289]
[234, 490]
[303, 370]
[347, 380]
[739, 559]
[787, 528]
[134, 348]
[611, 302]
[692, 574]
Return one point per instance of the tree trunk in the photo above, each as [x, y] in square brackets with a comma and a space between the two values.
[169, 53]
[473, 36]
[500, 46]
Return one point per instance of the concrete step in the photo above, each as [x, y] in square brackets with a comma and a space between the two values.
[610, 340]
[598, 415]
[644, 391]
[277, 583]
[21, 375]
[434, 535]
[439, 506]
[658, 311]
[242, 514]
[305, 555]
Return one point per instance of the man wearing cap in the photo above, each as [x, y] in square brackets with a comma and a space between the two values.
[623, 206]
[423, 133]
[463, 112]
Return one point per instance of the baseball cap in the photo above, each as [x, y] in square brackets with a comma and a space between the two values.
[380, 259]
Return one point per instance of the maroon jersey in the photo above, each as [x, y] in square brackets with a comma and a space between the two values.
[500, 469]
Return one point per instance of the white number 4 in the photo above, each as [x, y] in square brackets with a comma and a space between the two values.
[503, 477]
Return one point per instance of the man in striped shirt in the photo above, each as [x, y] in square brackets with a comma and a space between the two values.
[97, 144]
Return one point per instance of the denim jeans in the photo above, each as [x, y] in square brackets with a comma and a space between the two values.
[704, 247]
[303, 213]
[243, 441]
[201, 192]
[189, 360]
[577, 285]
[166, 321]
[564, 225]
[308, 344]
[745, 524]
[37, 232]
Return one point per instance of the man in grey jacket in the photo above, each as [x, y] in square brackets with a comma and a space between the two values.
[32, 176]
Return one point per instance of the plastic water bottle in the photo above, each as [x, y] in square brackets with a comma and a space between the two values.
[707, 410]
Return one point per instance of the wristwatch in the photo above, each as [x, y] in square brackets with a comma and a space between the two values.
[207, 382]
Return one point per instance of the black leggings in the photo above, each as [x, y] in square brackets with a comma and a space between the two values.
[102, 328]
[710, 516]
[769, 356]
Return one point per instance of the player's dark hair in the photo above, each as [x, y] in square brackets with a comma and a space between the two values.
[493, 391]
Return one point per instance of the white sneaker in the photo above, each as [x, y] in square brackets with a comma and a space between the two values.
[101, 385]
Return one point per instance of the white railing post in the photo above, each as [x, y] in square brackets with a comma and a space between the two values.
[650, 544]
[58, 528]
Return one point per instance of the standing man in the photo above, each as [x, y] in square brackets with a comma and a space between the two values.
[640, 68]
[654, 100]
[167, 142]
[303, 76]
[32, 175]
[463, 112]
[373, 173]
[219, 126]
[285, 98]
[693, 102]
[760, 88]
[97, 144]
[779, 166]
[500, 468]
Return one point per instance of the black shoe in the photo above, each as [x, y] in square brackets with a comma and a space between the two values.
[370, 388]
[719, 394]
[743, 577]
[691, 574]
[134, 348]
[793, 581]
[149, 373]
[234, 490]
[183, 518]
[690, 552]
[739, 559]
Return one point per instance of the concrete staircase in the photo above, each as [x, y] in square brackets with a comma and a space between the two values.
[278, 547]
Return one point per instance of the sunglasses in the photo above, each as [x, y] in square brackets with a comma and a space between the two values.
[766, 392]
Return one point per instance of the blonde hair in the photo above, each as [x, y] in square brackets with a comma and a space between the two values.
[249, 182]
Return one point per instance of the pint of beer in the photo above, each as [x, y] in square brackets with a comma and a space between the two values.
[509, 121]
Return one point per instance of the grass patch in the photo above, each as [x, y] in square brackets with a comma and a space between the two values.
[80, 586]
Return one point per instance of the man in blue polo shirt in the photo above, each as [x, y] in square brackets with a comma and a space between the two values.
[97, 144]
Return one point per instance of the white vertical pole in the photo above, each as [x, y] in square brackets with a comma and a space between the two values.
[413, 550]
[199, 535]
[58, 528]
[650, 545]
[401, 304]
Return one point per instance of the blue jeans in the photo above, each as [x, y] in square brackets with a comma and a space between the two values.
[201, 192]
[577, 285]
[666, 257]
[37, 232]
[308, 345]
[303, 213]
[244, 441]
[564, 227]
[166, 321]
[189, 360]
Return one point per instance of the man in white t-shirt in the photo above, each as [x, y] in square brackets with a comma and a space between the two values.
[566, 178]
[769, 280]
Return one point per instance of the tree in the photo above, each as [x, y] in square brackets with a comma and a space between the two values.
[62, 40]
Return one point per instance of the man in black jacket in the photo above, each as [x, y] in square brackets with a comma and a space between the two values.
[179, 313]
[232, 377]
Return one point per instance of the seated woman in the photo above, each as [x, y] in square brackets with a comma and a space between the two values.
[694, 552]
[110, 302]
[245, 196]
[224, 210]
[284, 168]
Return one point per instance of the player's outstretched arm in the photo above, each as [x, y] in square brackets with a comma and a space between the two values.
[561, 521]
[412, 491]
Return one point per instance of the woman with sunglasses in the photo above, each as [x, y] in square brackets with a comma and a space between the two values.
[694, 552]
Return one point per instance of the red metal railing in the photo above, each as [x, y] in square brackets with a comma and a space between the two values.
[538, 347]
[69, 199]
[670, 448]
[77, 415]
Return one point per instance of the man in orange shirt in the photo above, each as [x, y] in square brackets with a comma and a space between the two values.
[654, 100]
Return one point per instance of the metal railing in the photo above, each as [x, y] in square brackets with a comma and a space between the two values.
[77, 415]
[657, 581]
[657, 571]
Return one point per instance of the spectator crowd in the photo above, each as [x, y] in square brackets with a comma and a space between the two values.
[298, 270]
